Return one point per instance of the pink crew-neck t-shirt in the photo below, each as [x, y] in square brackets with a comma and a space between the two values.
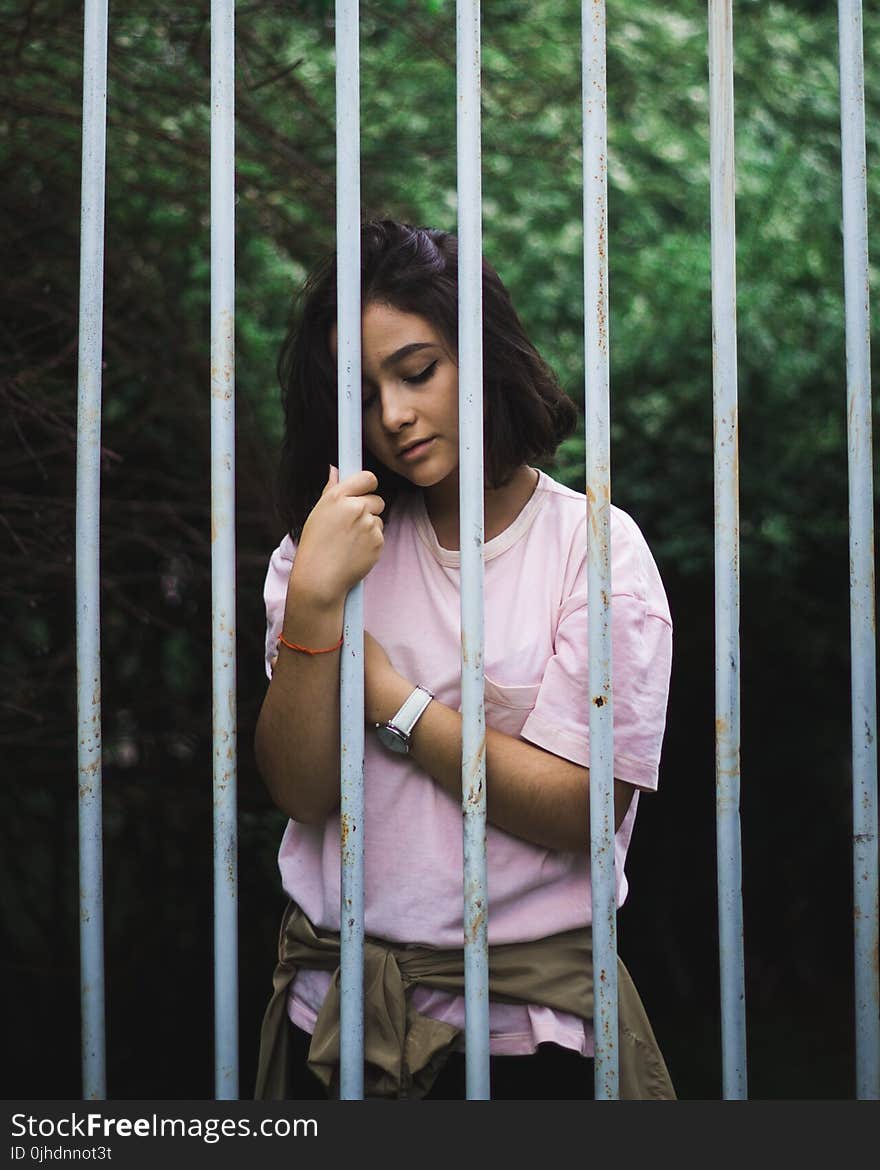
[536, 688]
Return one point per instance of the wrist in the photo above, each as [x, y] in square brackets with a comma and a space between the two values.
[389, 698]
[306, 609]
[396, 732]
[307, 595]
[311, 634]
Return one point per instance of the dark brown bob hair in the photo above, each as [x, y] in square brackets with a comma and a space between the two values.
[414, 270]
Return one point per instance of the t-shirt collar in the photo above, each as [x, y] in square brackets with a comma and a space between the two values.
[492, 548]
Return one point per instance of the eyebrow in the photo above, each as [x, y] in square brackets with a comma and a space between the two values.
[405, 351]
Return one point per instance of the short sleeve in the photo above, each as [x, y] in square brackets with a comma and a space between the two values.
[275, 597]
[641, 659]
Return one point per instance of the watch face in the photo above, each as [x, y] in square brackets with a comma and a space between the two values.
[392, 738]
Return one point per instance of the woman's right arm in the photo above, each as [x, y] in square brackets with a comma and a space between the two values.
[297, 737]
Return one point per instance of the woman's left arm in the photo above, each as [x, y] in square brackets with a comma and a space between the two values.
[530, 793]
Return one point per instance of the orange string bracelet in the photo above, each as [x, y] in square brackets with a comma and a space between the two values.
[282, 641]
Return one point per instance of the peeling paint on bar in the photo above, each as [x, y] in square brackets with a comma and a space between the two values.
[225, 814]
[727, 695]
[471, 537]
[861, 549]
[88, 496]
[598, 520]
[351, 696]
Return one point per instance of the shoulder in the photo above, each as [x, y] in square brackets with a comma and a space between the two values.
[634, 571]
[282, 558]
[558, 497]
[278, 572]
[562, 511]
[565, 509]
[286, 550]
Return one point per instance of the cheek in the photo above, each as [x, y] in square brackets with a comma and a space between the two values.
[372, 433]
[453, 416]
[451, 403]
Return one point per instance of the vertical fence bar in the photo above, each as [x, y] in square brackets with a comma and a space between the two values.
[727, 718]
[223, 547]
[471, 530]
[598, 519]
[88, 509]
[348, 239]
[861, 548]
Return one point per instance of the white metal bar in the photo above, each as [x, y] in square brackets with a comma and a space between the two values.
[598, 519]
[471, 530]
[348, 239]
[223, 548]
[861, 548]
[727, 694]
[88, 507]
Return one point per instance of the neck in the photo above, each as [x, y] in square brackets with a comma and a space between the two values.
[501, 506]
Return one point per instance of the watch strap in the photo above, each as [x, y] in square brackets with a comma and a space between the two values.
[411, 710]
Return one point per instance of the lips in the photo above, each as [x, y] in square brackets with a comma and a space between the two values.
[411, 447]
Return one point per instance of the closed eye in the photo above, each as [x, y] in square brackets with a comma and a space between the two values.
[424, 376]
[370, 395]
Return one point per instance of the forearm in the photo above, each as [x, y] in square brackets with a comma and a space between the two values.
[297, 737]
[530, 793]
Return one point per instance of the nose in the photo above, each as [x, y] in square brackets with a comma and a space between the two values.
[397, 408]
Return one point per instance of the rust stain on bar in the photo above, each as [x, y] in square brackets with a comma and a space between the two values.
[477, 760]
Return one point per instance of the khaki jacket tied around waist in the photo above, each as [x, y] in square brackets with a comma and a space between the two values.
[404, 1050]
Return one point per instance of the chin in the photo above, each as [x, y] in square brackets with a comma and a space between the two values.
[423, 479]
[430, 478]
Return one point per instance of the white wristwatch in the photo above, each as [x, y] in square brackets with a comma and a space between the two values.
[397, 732]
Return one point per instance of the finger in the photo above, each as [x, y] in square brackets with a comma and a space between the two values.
[332, 479]
[359, 484]
[374, 504]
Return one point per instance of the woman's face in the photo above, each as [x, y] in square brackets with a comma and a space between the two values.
[410, 396]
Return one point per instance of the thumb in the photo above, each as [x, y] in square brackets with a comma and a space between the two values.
[332, 478]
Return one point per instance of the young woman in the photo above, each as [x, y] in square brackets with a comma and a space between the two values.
[395, 525]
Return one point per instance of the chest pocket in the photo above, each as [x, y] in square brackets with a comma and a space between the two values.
[507, 708]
